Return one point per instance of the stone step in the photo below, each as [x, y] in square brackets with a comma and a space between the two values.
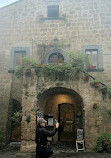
[15, 144]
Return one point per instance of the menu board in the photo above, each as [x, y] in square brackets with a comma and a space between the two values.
[50, 121]
[80, 133]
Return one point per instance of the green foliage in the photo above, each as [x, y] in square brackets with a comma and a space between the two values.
[78, 59]
[94, 82]
[34, 62]
[107, 114]
[109, 92]
[61, 71]
[18, 71]
[16, 119]
[26, 61]
[86, 76]
[103, 143]
[27, 71]
[103, 90]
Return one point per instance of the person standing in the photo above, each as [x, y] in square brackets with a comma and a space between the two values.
[43, 150]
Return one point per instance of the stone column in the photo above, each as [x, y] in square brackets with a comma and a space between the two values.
[28, 125]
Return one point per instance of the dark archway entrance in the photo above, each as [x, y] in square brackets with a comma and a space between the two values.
[65, 105]
[16, 121]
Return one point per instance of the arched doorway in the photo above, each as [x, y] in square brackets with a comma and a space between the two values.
[66, 106]
[16, 121]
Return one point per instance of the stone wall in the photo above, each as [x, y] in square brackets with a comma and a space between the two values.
[95, 120]
[24, 24]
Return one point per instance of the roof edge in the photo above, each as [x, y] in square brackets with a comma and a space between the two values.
[11, 4]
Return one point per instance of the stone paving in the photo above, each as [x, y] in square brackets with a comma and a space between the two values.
[59, 152]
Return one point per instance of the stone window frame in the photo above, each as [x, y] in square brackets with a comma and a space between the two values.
[53, 3]
[50, 52]
[100, 55]
[17, 49]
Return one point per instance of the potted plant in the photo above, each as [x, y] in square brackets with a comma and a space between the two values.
[26, 61]
[34, 63]
[16, 118]
[40, 65]
[90, 67]
[95, 83]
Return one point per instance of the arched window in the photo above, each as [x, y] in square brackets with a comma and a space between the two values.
[56, 58]
[55, 55]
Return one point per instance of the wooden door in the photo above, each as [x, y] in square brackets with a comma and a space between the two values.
[66, 121]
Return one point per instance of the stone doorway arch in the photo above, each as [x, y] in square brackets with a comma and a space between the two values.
[54, 100]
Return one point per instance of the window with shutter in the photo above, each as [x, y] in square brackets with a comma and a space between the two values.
[18, 55]
[53, 11]
[93, 59]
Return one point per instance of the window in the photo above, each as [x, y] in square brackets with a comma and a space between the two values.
[49, 119]
[55, 55]
[16, 54]
[56, 58]
[93, 59]
[53, 11]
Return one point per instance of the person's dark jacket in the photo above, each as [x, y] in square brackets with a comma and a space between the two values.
[42, 149]
[42, 134]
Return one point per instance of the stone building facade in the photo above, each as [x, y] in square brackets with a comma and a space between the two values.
[30, 28]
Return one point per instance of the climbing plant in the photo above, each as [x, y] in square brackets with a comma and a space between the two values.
[78, 59]
[61, 71]
[16, 119]
[64, 71]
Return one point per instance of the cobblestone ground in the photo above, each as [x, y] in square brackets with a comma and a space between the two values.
[59, 152]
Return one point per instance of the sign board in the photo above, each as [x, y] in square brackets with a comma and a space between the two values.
[39, 114]
[80, 133]
[50, 121]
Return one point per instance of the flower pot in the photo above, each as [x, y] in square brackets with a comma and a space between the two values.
[96, 84]
[91, 67]
[40, 65]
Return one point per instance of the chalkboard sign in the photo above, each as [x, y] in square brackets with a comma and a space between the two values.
[80, 133]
